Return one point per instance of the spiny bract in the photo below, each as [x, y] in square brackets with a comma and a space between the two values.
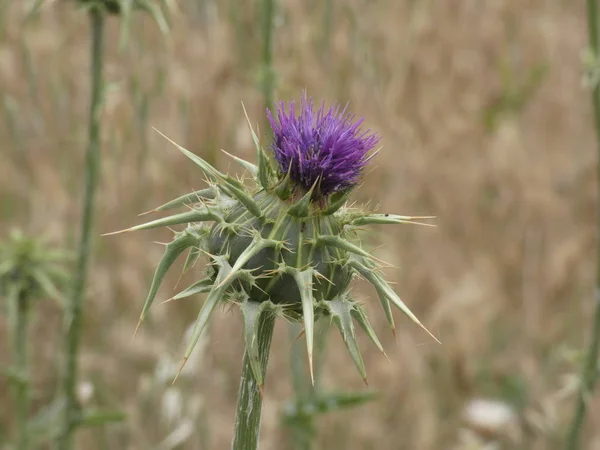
[287, 245]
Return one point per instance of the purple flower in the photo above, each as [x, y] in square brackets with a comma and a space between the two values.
[327, 148]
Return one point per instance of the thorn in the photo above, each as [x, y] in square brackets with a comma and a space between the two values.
[429, 333]
[297, 337]
[310, 367]
[126, 230]
[147, 212]
[180, 369]
[137, 327]
[366, 382]
[386, 356]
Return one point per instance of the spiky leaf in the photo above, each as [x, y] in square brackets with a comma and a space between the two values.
[173, 249]
[341, 314]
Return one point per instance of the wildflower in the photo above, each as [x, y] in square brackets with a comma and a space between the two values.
[327, 148]
[287, 245]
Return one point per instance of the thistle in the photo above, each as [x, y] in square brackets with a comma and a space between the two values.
[287, 245]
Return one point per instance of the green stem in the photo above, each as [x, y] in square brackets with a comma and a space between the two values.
[589, 375]
[247, 420]
[22, 385]
[268, 7]
[75, 307]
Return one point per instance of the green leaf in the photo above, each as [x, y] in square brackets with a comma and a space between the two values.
[304, 280]
[195, 215]
[359, 315]
[174, 248]
[256, 246]
[264, 171]
[384, 289]
[336, 201]
[216, 295]
[191, 198]
[371, 219]
[242, 162]
[191, 259]
[341, 314]
[199, 287]
[342, 244]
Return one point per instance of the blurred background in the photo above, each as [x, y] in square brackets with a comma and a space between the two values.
[486, 124]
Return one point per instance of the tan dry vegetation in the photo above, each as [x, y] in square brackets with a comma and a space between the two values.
[505, 281]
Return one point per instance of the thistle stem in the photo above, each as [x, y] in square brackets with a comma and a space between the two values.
[589, 375]
[74, 310]
[20, 355]
[247, 420]
[268, 7]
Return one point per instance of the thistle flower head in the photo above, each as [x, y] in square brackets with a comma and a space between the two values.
[326, 148]
[273, 252]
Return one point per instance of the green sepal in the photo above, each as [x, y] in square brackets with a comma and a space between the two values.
[252, 168]
[257, 245]
[212, 173]
[191, 259]
[340, 310]
[245, 199]
[336, 201]
[195, 215]
[264, 173]
[370, 273]
[283, 190]
[302, 207]
[342, 244]
[371, 219]
[216, 295]
[251, 313]
[383, 299]
[199, 287]
[191, 198]
[182, 241]
[360, 316]
[304, 280]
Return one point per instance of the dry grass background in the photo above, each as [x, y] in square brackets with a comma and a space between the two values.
[486, 125]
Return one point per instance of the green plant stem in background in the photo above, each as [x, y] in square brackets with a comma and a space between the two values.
[589, 374]
[74, 310]
[268, 87]
[20, 358]
[249, 407]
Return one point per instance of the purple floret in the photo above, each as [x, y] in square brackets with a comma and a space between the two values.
[325, 146]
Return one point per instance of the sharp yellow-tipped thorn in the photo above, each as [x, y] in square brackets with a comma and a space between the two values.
[386, 356]
[167, 300]
[137, 327]
[310, 367]
[147, 212]
[429, 333]
[366, 381]
[297, 337]
[423, 224]
[180, 369]
[117, 232]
